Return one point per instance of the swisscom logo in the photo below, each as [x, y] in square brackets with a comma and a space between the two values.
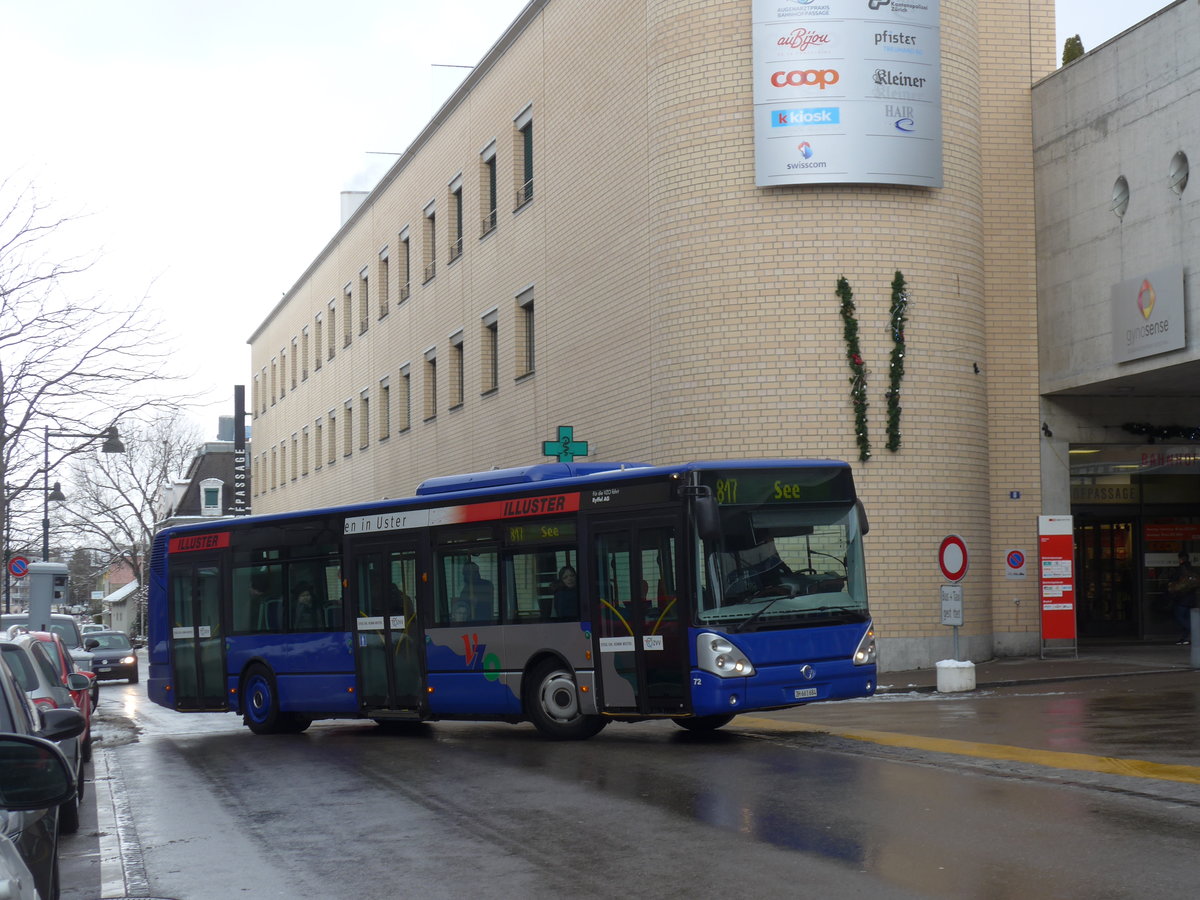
[790, 118]
[806, 154]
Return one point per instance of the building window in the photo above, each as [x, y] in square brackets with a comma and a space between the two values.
[304, 348]
[383, 283]
[283, 469]
[456, 219]
[210, 496]
[283, 369]
[348, 429]
[405, 270]
[364, 302]
[364, 420]
[430, 242]
[318, 344]
[318, 446]
[295, 361]
[332, 327]
[274, 468]
[525, 334]
[274, 381]
[385, 409]
[332, 454]
[487, 190]
[404, 401]
[489, 356]
[347, 314]
[304, 448]
[257, 389]
[523, 156]
[456, 370]
[431, 399]
[295, 456]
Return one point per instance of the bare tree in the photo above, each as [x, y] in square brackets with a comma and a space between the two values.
[67, 363]
[110, 510]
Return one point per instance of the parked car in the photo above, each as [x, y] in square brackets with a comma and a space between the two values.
[64, 626]
[91, 626]
[84, 696]
[113, 655]
[29, 659]
[16, 881]
[35, 779]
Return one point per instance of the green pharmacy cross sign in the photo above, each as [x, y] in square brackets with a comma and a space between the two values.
[566, 448]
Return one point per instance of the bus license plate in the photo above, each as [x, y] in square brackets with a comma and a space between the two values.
[804, 693]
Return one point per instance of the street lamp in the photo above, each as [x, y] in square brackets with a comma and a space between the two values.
[112, 444]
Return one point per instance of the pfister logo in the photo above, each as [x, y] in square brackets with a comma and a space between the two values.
[791, 118]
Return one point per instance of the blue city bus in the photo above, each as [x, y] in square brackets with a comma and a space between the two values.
[568, 595]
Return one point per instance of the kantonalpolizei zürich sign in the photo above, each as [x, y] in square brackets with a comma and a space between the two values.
[1147, 314]
[847, 91]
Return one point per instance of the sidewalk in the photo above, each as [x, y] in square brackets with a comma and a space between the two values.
[1100, 661]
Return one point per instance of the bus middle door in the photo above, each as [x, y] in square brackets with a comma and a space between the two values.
[197, 646]
[641, 634]
[387, 633]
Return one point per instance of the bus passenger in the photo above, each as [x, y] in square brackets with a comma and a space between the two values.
[566, 594]
[477, 593]
[304, 609]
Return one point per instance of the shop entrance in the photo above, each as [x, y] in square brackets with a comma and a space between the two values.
[1106, 578]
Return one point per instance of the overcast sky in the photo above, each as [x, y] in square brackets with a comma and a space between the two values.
[207, 141]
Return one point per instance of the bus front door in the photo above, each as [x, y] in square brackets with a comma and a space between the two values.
[197, 647]
[387, 637]
[640, 630]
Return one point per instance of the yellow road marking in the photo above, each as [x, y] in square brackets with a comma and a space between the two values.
[1081, 762]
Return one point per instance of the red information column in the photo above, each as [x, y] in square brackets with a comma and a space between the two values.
[1056, 553]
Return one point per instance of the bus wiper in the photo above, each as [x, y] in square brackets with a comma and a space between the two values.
[849, 610]
[789, 591]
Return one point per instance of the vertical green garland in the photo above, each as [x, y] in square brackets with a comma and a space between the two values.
[899, 310]
[858, 380]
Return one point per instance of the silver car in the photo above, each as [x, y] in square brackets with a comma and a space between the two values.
[38, 679]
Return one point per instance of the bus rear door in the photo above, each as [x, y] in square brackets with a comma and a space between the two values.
[640, 631]
[197, 646]
[387, 632]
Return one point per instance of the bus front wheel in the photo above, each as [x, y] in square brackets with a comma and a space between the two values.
[260, 705]
[552, 704]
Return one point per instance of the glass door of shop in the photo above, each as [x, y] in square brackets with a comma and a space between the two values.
[1107, 578]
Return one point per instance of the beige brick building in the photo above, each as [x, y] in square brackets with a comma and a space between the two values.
[633, 282]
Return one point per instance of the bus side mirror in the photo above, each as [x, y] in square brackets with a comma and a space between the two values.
[708, 517]
[863, 525]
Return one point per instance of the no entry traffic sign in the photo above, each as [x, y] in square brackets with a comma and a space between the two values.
[952, 557]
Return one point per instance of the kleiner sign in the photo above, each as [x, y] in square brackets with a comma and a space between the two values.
[1147, 315]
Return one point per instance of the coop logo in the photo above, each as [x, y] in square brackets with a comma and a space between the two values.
[820, 78]
[790, 118]
[803, 38]
[806, 154]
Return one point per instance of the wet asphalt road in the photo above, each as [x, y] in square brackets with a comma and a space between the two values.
[901, 796]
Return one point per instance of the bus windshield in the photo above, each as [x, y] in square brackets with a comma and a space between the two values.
[783, 566]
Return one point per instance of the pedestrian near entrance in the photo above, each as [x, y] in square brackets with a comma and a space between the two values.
[1183, 588]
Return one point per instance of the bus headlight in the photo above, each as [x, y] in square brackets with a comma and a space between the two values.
[864, 654]
[721, 657]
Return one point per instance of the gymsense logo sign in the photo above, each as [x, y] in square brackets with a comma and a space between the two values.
[1147, 315]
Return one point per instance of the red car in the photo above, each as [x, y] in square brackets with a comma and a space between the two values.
[60, 658]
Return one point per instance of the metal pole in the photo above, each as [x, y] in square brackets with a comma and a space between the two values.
[46, 498]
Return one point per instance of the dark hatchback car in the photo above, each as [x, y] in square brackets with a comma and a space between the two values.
[34, 831]
[113, 655]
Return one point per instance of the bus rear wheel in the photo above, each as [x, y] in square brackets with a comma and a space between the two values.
[703, 723]
[552, 704]
[260, 705]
